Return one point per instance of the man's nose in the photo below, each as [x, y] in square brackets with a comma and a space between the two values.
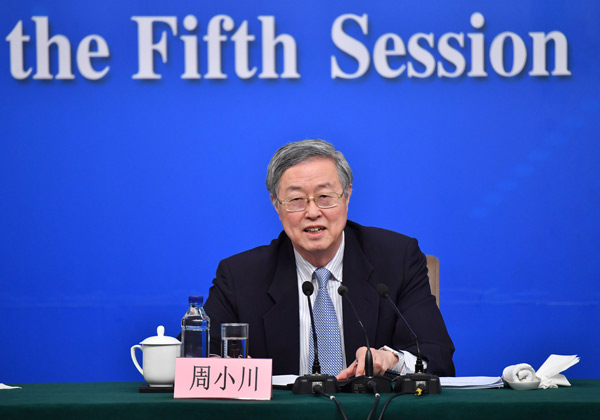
[311, 207]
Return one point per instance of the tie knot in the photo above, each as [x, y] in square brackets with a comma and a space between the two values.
[323, 275]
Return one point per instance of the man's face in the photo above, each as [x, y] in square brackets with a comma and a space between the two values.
[315, 233]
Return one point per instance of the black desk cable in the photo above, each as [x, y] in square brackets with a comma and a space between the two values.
[389, 400]
[372, 387]
[319, 390]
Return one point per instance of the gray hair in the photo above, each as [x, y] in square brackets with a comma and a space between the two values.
[297, 152]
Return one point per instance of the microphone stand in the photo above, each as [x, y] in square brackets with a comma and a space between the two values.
[418, 382]
[315, 382]
[367, 382]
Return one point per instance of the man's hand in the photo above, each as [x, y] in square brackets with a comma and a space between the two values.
[382, 361]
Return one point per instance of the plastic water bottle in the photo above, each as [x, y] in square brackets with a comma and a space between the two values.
[195, 330]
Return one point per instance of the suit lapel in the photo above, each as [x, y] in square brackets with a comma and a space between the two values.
[282, 321]
[358, 277]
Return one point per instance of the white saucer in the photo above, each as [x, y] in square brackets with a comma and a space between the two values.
[523, 386]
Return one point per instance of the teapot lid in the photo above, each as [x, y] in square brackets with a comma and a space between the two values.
[160, 339]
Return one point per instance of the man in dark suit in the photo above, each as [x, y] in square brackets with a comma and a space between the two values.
[310, 185]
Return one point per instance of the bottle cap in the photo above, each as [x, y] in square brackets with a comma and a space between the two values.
[196, 299]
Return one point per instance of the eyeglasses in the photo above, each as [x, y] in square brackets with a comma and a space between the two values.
[323, 201]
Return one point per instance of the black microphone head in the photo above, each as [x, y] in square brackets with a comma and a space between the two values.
[342, 290]
[308, 288]
[383, 290]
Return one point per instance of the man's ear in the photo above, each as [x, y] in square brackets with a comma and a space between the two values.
[275, 203]
[349, 193]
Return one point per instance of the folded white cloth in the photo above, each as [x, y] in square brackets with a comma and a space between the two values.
[519, 373]
[554, 381]
[549, 372]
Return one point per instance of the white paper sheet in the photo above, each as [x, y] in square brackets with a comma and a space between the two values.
[464, 382]
[283, 380]
[472, 382]
[2, 386]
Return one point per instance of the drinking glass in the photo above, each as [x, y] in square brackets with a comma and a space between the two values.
[234, 340]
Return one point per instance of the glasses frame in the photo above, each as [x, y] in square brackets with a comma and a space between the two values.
[308, 199]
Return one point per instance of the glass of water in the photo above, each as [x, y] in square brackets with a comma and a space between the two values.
[234, 340]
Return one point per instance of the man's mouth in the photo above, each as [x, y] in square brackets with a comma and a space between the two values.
[314, 229]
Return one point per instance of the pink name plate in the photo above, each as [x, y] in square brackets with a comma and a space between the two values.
[213, 377]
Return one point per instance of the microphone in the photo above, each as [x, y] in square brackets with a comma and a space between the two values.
[419, 382]
[308, 289]
[314, 383]
[367, 382]
[343, 291]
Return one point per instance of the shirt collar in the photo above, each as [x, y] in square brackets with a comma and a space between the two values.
[335, 266]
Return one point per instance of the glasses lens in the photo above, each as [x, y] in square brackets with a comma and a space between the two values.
[296, 204]
[326, 201]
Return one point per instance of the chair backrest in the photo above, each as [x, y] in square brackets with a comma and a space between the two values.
[433, 266]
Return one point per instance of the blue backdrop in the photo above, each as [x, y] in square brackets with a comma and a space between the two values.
[119, 196]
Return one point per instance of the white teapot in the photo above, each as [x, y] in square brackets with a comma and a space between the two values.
[159, 354]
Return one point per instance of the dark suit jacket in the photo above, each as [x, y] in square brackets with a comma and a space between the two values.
[259, 287]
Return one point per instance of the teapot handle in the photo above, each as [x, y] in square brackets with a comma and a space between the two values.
[135, 362]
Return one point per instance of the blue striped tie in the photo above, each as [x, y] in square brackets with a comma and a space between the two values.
[328, 332]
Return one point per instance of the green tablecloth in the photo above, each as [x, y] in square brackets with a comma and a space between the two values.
[110, 401]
